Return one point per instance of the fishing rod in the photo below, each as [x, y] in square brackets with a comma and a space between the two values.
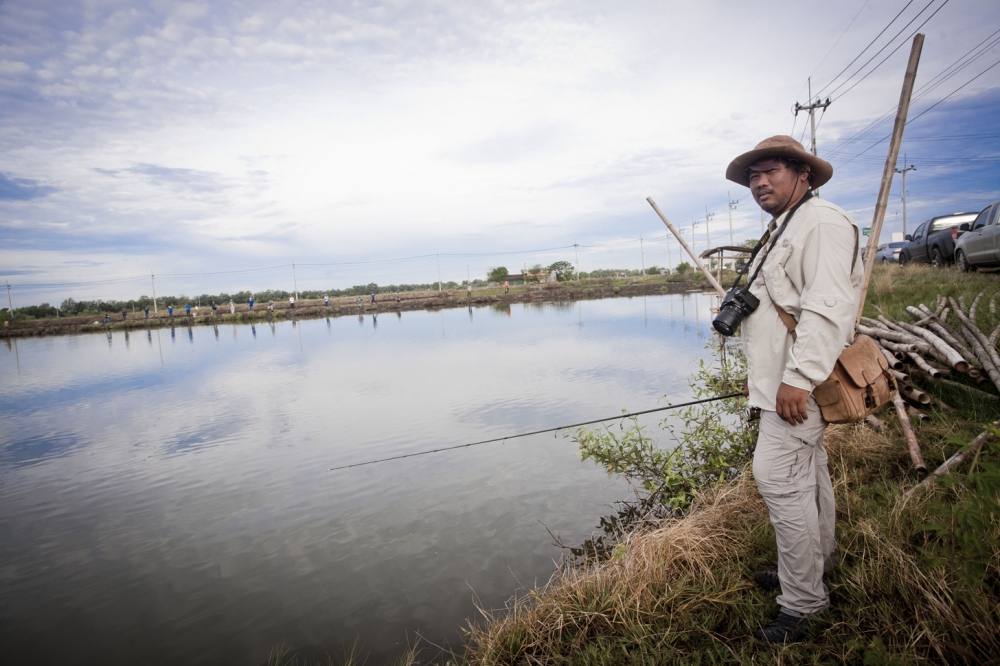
[727, 396]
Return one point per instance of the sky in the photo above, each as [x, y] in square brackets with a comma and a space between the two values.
[216, 144]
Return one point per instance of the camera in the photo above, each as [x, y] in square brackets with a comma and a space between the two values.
[736, 305]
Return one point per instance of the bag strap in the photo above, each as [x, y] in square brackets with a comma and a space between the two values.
[787, 319]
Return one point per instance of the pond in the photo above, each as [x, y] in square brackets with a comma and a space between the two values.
[167, 497]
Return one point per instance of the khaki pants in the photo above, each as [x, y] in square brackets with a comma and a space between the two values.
[790, 467]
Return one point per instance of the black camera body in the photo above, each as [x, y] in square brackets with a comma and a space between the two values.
[737, 304]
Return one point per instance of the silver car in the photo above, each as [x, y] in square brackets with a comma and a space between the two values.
[889, 252]
[980, 244]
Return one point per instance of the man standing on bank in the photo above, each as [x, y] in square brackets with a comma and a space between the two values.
[810, 280]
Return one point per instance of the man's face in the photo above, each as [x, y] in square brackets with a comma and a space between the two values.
[775, 186]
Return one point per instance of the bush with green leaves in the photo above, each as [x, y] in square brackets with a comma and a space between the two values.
[715, 441]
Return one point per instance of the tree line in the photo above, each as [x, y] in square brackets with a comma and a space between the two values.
[563, 271]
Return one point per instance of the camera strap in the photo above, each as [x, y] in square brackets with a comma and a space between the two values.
[764, 242]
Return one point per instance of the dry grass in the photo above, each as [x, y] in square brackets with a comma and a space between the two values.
[681, 594]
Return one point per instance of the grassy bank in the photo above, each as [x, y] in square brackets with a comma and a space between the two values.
[351, 306]
[917, 581]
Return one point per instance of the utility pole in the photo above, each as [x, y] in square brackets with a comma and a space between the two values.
[708, 218]
[733, 203]
[10, 301]
[438, 256]
[642, 255]
[883, 193]
[295, 282]
[811, 108]
[576, 246]
[152, 278]
[908, 167]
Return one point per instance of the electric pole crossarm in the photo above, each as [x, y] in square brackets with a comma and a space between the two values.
[811, 108]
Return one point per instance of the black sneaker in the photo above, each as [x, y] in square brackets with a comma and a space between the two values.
[784, 629]
[767, 579]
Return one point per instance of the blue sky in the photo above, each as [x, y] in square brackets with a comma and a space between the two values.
[193, 139]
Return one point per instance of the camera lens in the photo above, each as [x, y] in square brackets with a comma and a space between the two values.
[727, 320]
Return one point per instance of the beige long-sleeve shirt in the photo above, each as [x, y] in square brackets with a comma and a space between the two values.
[808, 274]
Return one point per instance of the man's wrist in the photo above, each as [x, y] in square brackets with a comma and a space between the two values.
[798, 380]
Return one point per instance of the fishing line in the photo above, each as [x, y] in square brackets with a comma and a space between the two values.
[539, 432]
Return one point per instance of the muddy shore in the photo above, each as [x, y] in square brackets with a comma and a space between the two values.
[348, 305]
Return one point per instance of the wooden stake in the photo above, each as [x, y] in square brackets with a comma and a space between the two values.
[890, 165]
[970, 449]
[911, 439]
[694, 258]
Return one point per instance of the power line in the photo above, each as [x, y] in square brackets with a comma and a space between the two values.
[927, 110]
[891, 53]
[941, 77]
[941, 137]
[891, 40]
[537, 432]
[841, 36]
[868, 46]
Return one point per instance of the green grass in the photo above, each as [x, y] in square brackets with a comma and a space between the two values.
[893, 287]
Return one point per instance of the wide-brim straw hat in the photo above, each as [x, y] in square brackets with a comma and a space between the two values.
[781, 145]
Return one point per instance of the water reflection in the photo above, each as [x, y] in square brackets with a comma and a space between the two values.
[188, 486]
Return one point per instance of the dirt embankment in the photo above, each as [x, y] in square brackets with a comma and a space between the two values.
[349, 305]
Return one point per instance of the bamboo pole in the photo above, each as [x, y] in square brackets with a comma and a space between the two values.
[976, 393]
[988, 357]
[956, 459]
[901, 347]
[944, 351]
[894, 362]
[874, 323]
[680, 238]
[975, 304]
[936, 324]
[915, 395]
[890, 165]
[911, 439]
[919, 361]
[898, 337]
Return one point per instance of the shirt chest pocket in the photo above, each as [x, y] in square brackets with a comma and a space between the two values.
[779, 285]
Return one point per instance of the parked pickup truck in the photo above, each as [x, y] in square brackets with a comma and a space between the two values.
[933, 242]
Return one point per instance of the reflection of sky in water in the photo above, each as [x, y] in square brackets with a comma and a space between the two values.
[176, 489]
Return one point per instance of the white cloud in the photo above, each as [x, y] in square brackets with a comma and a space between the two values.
[9, 67]
[395, 129]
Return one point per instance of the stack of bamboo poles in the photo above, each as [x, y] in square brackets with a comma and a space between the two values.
[937, 343]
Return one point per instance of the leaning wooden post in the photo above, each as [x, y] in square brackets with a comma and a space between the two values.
[890, 165]
[687, 248]
[876, 230]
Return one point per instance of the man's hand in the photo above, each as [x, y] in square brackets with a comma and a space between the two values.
[791, 403]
